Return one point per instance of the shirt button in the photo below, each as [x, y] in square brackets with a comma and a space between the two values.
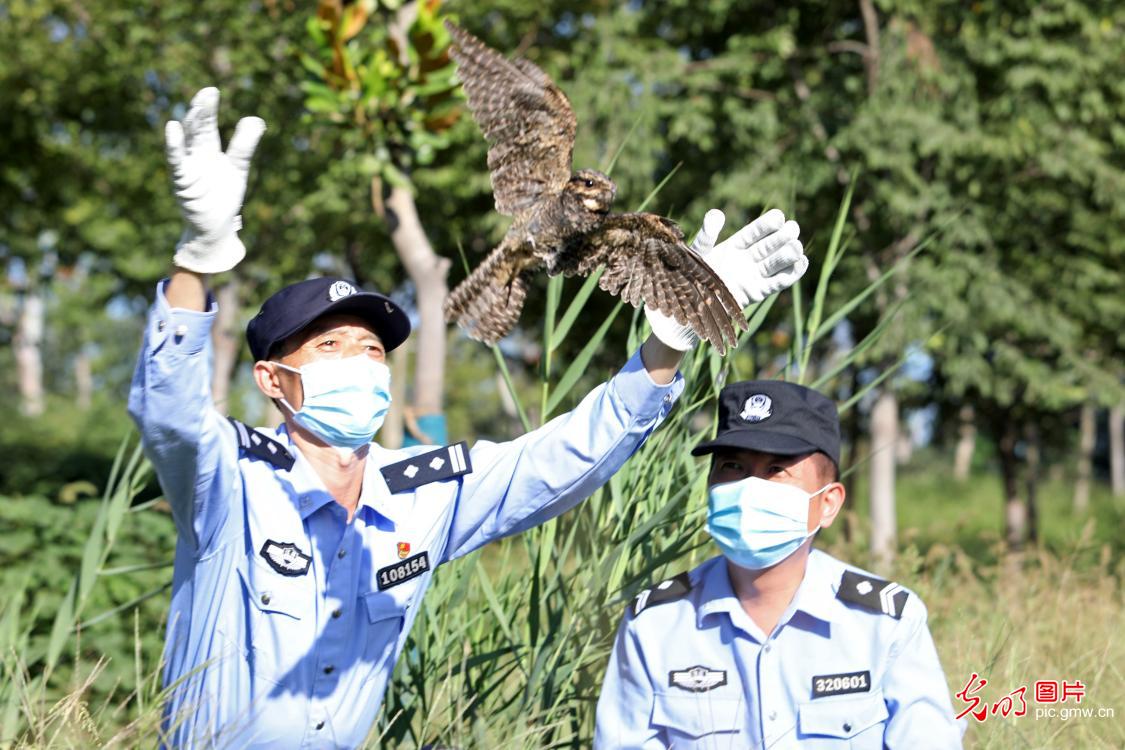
[320, 725]
[847, 727]
[773, 715]
[329, 669]
[766, 648]
[160, 326]
[181, 330]
[336, 614]
[341, 553]
[265, 598]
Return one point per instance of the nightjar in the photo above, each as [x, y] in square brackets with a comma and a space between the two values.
[562, 219]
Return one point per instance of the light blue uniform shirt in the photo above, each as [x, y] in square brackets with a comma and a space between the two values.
[758, 692]
[260, 659]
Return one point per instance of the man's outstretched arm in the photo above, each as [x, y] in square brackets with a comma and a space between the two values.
[520, 484]
[190, 445]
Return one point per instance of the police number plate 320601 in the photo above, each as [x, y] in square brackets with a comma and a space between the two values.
[841, 684]
[411, 567]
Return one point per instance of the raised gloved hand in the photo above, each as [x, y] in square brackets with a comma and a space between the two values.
[209, 185]
[761, 259]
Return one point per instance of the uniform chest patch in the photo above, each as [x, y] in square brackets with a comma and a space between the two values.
[286, 558]
[697, 679]
[824, 685]
[411, 567]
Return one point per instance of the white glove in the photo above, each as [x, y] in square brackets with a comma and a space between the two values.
[761, 259]
[208, 184]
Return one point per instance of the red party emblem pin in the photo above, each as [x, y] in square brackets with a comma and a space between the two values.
[403, 550]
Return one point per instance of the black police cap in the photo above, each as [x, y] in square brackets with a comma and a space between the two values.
[297, 305]
[772, 416]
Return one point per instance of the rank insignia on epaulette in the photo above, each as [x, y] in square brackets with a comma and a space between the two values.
[873, 593]
[665, 591]
[254, 443]
[439, 465]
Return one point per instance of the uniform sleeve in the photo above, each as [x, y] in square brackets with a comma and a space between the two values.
[191, 446]
[520, 484]
[625, 704]
[916, 693]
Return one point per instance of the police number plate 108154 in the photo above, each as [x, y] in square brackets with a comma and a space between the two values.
[411, 567]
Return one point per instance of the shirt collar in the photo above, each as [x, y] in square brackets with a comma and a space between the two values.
[310, 495]
[376, 494]
[817, 591]
[716, 594]
[814, 596]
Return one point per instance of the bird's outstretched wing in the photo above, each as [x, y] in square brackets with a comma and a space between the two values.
[525, 117]
[646, 260]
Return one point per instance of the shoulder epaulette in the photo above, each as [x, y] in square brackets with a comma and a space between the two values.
[255, 444]
[873, 593]
[448, 462]
[665, 591]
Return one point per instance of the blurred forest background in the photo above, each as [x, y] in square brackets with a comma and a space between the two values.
[957, 170]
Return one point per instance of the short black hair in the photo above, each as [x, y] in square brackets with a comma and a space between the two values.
[826, 467]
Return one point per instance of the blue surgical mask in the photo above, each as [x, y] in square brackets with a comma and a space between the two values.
[345, 399]
[757, 523]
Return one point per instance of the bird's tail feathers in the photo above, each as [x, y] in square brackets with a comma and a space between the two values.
[487, 304]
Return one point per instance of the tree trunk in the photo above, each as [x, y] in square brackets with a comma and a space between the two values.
[83, 378]
[27, 343]
[428, 271]
[1117, 450]
[1015, 512]
[1087, 434]
[852, 453]
[884, 436]
[1031, 434]
[871, 33]
[226, 341]
[966, 443]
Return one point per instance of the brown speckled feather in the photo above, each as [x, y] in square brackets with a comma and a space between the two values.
[647, 262]
[488, 303]
[525, 117]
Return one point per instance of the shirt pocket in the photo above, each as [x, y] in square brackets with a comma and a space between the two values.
[688, 721]
[279, 618]
[386, 613]
[843, 722]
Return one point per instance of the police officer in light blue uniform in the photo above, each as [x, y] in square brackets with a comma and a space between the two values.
[304, 552]
[774, 644]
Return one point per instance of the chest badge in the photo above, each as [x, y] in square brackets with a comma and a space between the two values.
[824, 685]
[401, 572]
[286, 558]
[697, 679]
[403, 550]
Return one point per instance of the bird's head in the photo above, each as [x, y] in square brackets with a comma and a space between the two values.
[592, 189]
